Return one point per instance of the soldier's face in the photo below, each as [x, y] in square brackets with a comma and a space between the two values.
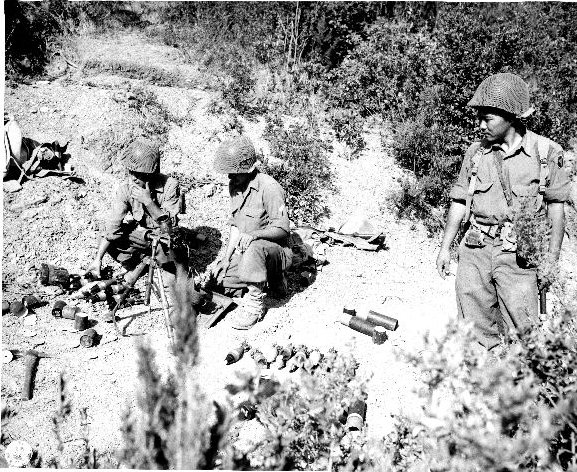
[492, 125]
[239, 180]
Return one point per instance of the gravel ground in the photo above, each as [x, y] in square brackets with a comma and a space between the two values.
[63, 229]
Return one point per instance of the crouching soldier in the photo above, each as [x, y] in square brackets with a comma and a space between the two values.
[149, 197]
[510, 167]
[257, 254]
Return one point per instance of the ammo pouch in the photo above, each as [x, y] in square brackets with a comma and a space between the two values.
[474, 237]
[508, 237]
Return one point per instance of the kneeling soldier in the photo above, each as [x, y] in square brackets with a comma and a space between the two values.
[149, 197]
[257, 253]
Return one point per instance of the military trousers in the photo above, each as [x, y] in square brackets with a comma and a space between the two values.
[132, 245]
[263, 261]
[494, 291]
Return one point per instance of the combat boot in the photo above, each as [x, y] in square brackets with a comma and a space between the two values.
[251, 308]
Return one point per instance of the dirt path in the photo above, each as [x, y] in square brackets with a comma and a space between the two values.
[400, 281]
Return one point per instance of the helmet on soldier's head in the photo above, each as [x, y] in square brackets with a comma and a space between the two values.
[235, 156]
[142, 155]
[505, 91]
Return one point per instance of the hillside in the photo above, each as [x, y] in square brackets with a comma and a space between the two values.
[62, 224]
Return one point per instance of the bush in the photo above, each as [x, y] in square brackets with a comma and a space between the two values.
[299, 162]
[421, 78]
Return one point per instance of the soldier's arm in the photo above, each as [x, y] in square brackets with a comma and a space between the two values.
[456, 215]
[556, 213]
[275, 206]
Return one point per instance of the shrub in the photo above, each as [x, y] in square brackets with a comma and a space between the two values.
[421, 78]
[305, 421]
[299, 163]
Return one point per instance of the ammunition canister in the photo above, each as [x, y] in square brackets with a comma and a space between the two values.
[380, 320]
[379, 336]
[356, 415]
[5, 307]
[69, 312]
[31, 301]
[259, 359]
[57, 308]
[80, 322]
[18, 309]
[88, 338]
[52, 275]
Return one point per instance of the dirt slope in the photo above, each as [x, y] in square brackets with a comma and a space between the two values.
[63, 229]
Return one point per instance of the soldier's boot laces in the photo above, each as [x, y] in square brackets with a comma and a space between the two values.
[251, 309]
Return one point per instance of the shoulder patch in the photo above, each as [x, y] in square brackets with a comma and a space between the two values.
[560, 161]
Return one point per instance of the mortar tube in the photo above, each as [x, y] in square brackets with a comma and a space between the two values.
[379, 319]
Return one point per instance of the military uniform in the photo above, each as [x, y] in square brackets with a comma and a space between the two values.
[127, 238]
[261, 205]
[494, 289]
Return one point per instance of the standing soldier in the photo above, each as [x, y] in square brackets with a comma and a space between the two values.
[149, 197]
[257, 254]
[510, 167]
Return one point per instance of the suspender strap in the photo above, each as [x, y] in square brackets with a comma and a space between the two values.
[472, 185]
[542, 149]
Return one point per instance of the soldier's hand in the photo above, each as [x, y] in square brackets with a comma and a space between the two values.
[141, 195]
[443, 262]
[244, 241]
[219, 271]
[94, 268]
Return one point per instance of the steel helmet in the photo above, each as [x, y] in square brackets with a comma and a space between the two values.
[505, 91]
[142, 156]
[235, 156]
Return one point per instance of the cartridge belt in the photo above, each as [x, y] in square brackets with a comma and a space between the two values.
[493, 231]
